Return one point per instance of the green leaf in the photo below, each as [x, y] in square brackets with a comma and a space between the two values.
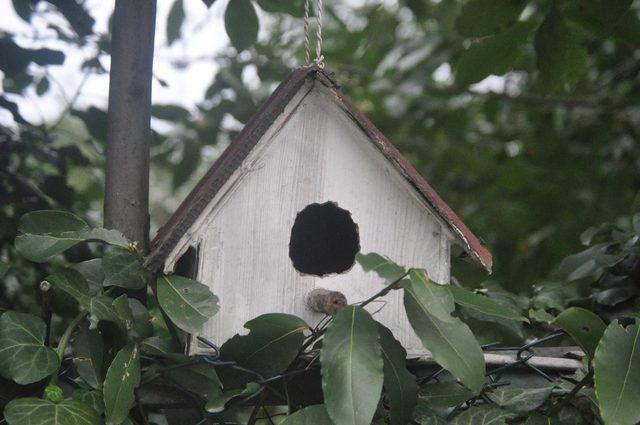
[53, 393]
[444, 394]
[122, 378]
[482, 415]
[174, 21]
[91, 398]
[71, 282]
[425, 415]
[485, 307]
[216, 404]
[352, 367]
[159, 346]
[189, 304]
[583, 326]
[541, 315]
[241, 23]
[310, 415]
[88, 351]
[123, 268]
[200, 379]
[561, 59]
[273, 342]
[127, 309]
[173, 113]
[520, 400]
[479, 18]
[101, 308]
[43, 86]
[382, 266]
[399, 384]
[47, 233]
[292, 7]
[23, 355]
[616, 365]
[35, 411]
[91, 270]
[450, 341]
[494, 55]
[589, 263]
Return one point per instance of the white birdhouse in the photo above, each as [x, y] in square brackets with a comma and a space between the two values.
[307, 184]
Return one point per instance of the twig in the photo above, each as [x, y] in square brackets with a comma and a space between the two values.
[47, 298]
[385, 290]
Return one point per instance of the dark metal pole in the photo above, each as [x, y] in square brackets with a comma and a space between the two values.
[126, 202]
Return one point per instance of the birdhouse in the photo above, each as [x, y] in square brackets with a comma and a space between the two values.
[308, 183]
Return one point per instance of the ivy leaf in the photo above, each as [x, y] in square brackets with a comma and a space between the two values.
[310, 415]
[91, 398]
[241, 23]
[482, 415]
[174, 21]
[189, 304]
[133, 315]
[400, 385]
[479, 18]
[23, 355]
[122, 268]
[560, 57]
[47, 233]
[583, 326]
[88, 351]
[484, 307]
[616, 364]
[444, 394]
[520, 400]
[494, 55]
[382, 266]
[425, 415]
[35, 411]
[351, 353]
[450, 341]
[122, 378]
[272, 344]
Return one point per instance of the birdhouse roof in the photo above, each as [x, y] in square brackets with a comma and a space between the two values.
[231, 159]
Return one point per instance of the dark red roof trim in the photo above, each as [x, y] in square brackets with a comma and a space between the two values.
[195, 203]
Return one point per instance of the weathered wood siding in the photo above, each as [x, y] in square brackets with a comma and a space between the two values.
[312, 153]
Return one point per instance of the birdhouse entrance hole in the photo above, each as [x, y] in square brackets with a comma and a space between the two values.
[324, 240]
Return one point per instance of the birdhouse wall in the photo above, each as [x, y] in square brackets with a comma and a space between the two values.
[313, 153]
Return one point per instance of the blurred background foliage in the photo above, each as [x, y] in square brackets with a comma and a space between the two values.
[523, 114]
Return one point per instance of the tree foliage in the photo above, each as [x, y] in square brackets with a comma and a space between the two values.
[523, 114]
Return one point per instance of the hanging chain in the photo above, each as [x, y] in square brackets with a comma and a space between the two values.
[319, 60]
